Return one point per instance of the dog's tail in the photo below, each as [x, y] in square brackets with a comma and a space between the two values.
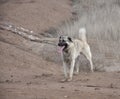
[82, 34]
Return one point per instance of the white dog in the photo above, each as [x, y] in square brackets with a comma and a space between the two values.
[71, 49]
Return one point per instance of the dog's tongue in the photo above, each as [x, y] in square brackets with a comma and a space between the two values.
[60, 49]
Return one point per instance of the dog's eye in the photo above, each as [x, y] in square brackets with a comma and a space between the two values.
[63, 40]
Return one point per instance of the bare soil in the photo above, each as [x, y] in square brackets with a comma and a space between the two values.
[26, 74]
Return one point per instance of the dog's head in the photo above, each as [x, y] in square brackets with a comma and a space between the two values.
[64, 42]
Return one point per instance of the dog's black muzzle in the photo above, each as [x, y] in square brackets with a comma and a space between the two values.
[61, 44]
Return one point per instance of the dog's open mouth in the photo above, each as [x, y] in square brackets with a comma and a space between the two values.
[60, 48]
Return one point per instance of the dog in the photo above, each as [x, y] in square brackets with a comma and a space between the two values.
[71, 49]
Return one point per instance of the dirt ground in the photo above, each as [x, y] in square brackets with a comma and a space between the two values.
[25, 74]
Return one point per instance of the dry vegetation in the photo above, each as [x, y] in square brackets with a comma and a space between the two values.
[102, 20]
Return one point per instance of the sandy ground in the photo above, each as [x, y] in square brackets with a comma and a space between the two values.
[25, 74]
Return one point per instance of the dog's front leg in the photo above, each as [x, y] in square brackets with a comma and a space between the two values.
[71, 69]
[65, 69]
[65, 72]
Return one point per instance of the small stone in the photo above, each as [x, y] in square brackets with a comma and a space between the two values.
[111, 85]
[97, 88]
[62, 87]
[76, 90]
[65, 96]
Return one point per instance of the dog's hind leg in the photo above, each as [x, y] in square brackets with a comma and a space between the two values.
[77, 69]
[86, 51]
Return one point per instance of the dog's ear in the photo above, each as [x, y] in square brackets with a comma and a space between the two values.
[70, 39]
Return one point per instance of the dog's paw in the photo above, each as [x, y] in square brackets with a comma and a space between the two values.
[64, 80]
[70, 79]
[76, 73]
[92, 70]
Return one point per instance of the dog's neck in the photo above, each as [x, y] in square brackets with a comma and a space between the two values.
[67, 49]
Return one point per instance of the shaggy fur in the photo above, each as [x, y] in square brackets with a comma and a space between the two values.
[71, 49]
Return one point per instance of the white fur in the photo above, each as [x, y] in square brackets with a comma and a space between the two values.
[74, 49]
[82, 34]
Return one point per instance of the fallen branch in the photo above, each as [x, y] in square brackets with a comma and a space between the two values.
[27, 34]
[97, 86]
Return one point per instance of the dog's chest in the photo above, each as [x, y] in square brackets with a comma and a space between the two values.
[67, 57]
